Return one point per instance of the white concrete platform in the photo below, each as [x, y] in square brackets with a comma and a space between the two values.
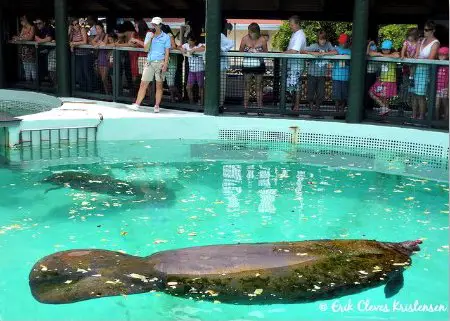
[76, 108]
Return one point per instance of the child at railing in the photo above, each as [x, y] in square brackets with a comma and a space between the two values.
[340, 74]
[386, 85]
[101, 39]
[26, 52]
[442, 85]
[409, 51]
[196, 67]
[317, 69]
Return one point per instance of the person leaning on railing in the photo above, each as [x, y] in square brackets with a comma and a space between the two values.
[225, 46]
[101, 39]
[385, 87]
[196, 67]
[340, 74]
[295, 67]
[126, 32]
[317, 69]
[427, 49]
[26, 52]
[44, 33]
[137, 58]
[78, 36]
[157, 44]
[442, 85]
[253, 42]
[409, 49]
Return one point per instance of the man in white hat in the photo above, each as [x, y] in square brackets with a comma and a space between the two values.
[157, 44]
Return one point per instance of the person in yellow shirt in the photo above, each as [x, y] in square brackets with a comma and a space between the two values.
[386, 85]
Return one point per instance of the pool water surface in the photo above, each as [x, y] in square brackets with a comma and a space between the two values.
[217, 201]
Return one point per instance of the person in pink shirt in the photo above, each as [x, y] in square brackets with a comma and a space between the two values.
[442, 85]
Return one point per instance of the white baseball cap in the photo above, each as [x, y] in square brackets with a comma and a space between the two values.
[157, 20]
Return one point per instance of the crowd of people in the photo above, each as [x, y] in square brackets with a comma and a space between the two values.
[382, 76]
[156, 63]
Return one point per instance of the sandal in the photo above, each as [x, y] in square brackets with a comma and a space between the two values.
[385, 112]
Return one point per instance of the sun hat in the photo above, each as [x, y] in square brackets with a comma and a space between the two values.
[386, 45]
[156, 21]
[343, 39]
[443, 51]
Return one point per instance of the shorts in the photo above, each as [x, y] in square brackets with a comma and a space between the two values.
[316, 88]
[340, 90]
[421, 78]
[383, 89]
[442, 93]
[196, 77]
[153, 70]
[295, 69]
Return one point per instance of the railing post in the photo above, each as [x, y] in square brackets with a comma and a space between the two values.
[432, 94]
[36, 80]
[62, 49]
[358, 61]
[73, 80]
[212, 66]
[282, 92]
[2, 47]
[116, 74]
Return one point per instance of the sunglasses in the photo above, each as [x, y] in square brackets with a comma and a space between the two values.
[427, 29]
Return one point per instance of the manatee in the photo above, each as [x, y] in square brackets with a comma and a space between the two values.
[260, 273]
[105, 184]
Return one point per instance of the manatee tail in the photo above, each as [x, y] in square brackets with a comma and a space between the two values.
[77, 275]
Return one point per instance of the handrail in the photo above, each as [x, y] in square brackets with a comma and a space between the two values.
[257, 55]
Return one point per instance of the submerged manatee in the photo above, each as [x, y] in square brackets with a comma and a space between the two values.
[105, 184]
[260, 273]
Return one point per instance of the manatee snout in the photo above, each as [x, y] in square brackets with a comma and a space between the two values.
[406, 247]
[412, 246]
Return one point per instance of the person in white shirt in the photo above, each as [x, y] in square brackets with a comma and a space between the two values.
[196, 67]
[225, 45]
[295, 67]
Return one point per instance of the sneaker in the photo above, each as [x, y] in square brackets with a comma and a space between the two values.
[134, 106]
[156, 109]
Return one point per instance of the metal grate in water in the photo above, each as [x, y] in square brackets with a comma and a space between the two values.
[46, 137]
[254, 135]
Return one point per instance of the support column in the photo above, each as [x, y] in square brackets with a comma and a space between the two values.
[212, 55]
[2, 48]
[62, 49]
[358, 61]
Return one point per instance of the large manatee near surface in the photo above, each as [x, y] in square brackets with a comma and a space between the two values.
[105, 184]
[260, 273]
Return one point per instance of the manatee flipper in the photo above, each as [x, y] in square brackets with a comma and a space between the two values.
[394, 285]
[52, 189]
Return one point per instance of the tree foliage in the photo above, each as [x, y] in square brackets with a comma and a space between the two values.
[396, 33]
[333, 30]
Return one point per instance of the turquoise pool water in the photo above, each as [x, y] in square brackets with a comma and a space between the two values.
[216, 194]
